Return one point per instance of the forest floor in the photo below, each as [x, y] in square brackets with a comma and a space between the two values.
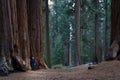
[104, 71]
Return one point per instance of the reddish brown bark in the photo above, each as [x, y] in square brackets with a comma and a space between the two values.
[14, 36]
[14, 22]
[35, 30]
[6, 35]
[115, 20]
[23, 31]
[115, 30]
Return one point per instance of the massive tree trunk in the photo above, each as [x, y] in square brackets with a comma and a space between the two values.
[23, 31]
[114, 51]
[14, 22]
[1, 34]
[115, 20]
[14, 33]
[35, 30]
[9, 41]
[5, 33]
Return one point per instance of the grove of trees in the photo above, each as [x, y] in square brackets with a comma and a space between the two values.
[92, 31]
[57, 32]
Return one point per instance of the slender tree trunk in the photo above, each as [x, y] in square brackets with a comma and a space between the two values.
[106, 29]
[77, 32]
[95, 43]
[100, 32]
[95, 55]
[70, 54]
[66, 50]
[47, 36]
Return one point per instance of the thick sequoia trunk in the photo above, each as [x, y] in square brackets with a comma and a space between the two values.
[10, 37]
[23, 31]
[114, 50]
[15, 44]
[1, 33]
[5, 35]
[115, 20]
[35, 31]
[14, 22]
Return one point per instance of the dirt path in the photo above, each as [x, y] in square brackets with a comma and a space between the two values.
[104, 71]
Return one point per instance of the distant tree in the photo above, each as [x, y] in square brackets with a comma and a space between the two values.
[77, 32]
[47, 36]
[99, 41]
[106, 29]
[61, 19]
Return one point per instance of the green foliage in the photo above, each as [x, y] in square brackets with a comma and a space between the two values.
[62, 24]
[57, 55]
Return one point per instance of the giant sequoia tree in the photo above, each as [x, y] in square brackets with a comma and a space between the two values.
[114, 51]
[115, 20]
[21, 31]
[35, 30]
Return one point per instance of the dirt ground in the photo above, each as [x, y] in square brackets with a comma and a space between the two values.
[104, 71]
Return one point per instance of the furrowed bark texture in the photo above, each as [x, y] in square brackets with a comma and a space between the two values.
[21, 31]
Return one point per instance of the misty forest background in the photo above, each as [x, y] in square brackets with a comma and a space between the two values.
[59, 31]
